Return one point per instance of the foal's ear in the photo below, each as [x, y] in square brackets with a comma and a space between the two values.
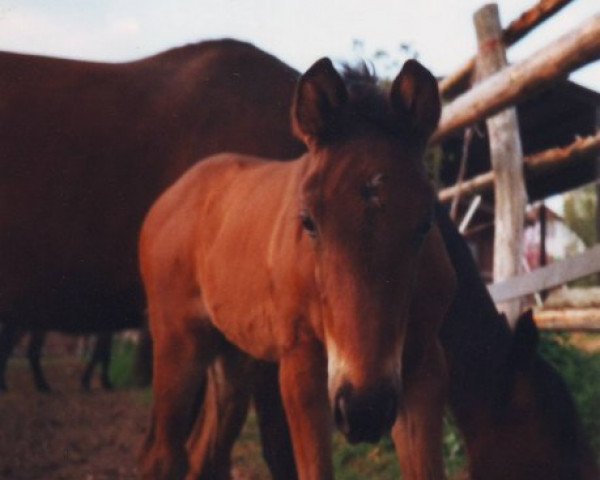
[525, 341]
[319, 95]
[416, 101]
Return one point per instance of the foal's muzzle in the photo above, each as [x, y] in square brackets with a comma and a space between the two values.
[365, 416]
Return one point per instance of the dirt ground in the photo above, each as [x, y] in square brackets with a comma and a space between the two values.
[72, 435]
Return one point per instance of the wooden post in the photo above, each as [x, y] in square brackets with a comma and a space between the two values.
[543, 231]
[519, 81]
[507, 159]
[453, 84]
[597, 239]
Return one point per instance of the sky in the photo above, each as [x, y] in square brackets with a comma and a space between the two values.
[297, 31]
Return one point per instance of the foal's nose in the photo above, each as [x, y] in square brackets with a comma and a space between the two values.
[365, 416]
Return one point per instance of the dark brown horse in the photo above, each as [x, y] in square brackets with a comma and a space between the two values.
[513, 409]
[85, 148]
[329, 265]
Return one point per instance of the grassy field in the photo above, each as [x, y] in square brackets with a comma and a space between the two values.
[580, 370]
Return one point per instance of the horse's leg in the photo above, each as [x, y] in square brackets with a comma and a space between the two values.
[9, 337]
[181, 357]
[303, 382]
[104, 344]
[418, 430]
[274, 431]
[34, 354]
[86, 378]
[222, 415]
[100, 355]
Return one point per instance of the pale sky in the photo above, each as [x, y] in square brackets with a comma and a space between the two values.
[297, 31]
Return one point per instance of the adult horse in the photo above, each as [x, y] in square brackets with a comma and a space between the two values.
[512, 408]
[329, 265]
[85, 148]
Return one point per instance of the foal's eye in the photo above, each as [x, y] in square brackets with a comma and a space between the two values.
[308, 224]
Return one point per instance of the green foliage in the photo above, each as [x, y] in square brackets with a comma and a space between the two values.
[580, 213]
[385, 63]
[454, 449]
[581, 372]
[580, 216]
[121, 364]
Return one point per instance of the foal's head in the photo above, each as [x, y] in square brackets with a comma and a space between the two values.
[366, 208]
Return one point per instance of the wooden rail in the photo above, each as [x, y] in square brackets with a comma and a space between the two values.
[556, 60]
[568, 319]
[458, 81]
[546, 160]
[550, 276]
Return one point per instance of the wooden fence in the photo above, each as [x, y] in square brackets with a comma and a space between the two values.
[499, 91]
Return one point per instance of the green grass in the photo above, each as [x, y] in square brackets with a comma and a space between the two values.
[580, 370]
[356, 462]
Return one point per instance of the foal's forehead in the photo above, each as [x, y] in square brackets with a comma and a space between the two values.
[379, 162]
[376, 153]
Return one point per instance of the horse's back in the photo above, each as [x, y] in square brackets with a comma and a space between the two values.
[86, 147]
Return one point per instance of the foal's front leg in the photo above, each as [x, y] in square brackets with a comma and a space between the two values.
[181, 359]
[303, 379]
[418, 430]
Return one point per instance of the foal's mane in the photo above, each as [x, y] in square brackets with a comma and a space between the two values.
[367, 96]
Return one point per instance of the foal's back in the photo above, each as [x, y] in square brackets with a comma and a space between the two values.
[204, 225]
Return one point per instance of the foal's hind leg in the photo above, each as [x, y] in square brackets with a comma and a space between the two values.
[34, 354]
[181, 357]
[274, 431]
[222, 415]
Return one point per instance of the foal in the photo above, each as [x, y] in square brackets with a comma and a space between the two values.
[329, 265]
